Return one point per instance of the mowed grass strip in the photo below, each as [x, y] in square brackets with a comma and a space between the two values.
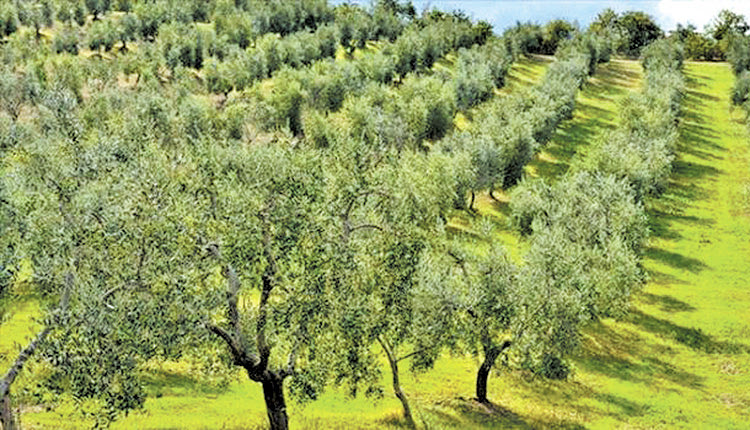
[682, 357]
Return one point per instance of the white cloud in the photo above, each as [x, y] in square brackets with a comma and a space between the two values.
[697, 12]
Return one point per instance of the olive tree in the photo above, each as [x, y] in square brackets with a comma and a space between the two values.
[36, 14]
[8, 20]
[585, 237]
[389, 209]
[98, 7]
[147, 220]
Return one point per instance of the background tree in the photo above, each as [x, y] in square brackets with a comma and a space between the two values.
[102, 34]
[555, 32]
[640, 30]
[66, 41]
[727, 23]
[36, 14]
[127, 29]
[8, 19]
[98, 7]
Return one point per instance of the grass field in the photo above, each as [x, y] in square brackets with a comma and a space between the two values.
[680, 360]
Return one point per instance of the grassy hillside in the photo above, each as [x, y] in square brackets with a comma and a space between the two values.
[681, 360]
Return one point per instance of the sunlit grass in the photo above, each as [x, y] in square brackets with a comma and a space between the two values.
[680, 360]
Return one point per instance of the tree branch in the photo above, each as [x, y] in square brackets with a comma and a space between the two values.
[419, 351]
[27, 352]
[239, 352]
[15, 369]
[289, 370]
[372, 226]
[268, 282]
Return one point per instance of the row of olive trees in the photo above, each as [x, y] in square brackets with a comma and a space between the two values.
[143, 21]
[739, 57]
[510, 130]
[259, 17]
[420, 108]
[586, 233]
[330, 83]
[386, 21]
[641, 149]
[300, 99]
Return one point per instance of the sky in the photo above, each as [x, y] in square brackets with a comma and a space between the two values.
[504, 13]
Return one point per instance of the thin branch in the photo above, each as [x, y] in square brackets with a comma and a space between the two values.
[291, 363]
[27, 352]
[233, 288]
[269, 282]
[15, 369]
[419, 351]
[371, 226]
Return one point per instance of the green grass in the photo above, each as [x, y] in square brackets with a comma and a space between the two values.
[597, 110]
[680, 360]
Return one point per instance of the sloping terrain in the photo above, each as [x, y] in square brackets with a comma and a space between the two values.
[680, 360]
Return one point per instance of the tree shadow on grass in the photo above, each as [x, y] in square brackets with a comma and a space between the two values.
[663, 278]
[461, 413]
[683, 191]
[162, 381]
[624, 355]
[678, 261]
[688, 336]
[693, 94]
[526, 72]
[666, 303]
[464, 413]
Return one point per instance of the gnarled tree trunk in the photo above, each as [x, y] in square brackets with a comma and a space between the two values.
[393, 361]
[273, 392]
[491, 353]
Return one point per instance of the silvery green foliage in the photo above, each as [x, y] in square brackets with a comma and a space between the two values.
[598, 219]
[270, 53]
[387, 212]
[642, 149]
[738, 53]
[741, 89]
[474, 79]
[68, 191]
[509, 130]
[594, 208]
[16, 90]
[585, 236]
[419, 47]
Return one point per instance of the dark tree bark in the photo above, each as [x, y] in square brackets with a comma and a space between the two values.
[6, 414]
[273, 392]
[256, 365]
[471, 203]
[491, 352]
[492, 195]
[393, 361]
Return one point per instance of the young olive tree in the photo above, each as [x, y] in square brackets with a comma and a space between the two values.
[585, 236]
[36, 14]
[390, 208]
